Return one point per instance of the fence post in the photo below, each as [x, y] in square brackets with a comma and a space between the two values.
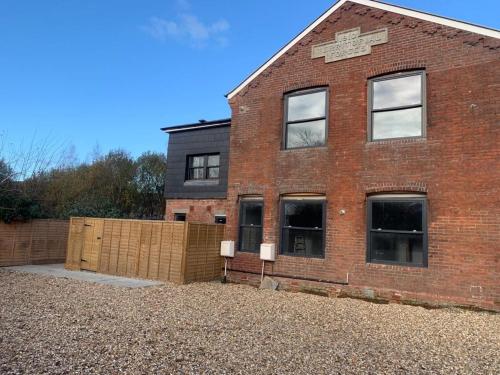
[184, 252]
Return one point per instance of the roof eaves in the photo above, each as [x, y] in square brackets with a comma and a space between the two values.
[197, 125]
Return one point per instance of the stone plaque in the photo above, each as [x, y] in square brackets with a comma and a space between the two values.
[350, 43]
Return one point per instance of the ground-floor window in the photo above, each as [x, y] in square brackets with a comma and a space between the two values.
[220, 219]
[303, 227]
[179, 217]
[397, 230]
[250, 234]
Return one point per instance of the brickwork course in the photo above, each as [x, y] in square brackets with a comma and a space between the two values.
[197, 210]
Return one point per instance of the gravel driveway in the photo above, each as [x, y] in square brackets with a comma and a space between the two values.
[58, 326]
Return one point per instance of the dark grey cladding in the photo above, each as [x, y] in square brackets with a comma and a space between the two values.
[195, 142]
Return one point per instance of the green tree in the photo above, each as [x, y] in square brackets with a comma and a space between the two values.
[149, 185]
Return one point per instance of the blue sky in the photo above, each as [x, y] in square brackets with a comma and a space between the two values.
[112, 72]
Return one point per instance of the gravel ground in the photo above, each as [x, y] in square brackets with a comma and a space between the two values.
[61, 326]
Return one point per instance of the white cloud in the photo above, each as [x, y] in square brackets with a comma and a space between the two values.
[188, 28]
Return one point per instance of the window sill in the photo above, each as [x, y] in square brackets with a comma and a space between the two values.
[324, 147]
[399, 266]
[201, 182]
[397, 141]
[320, 258]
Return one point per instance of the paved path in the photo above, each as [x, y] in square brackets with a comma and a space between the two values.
[57, 270]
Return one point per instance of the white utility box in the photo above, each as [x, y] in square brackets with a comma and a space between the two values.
[227, 249]
[268, 252]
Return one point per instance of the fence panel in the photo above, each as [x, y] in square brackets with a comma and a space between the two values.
[203, 260]
[36, 241]
[158, 250]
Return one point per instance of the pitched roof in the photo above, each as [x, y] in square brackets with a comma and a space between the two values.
[197, 125]
[486, 31]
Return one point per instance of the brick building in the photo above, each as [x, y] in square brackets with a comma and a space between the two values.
[367, 151]
[197, 170]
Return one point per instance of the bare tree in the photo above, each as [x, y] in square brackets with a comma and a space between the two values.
[308, 138]
[29, 160]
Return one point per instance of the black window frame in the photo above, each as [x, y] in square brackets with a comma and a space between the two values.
[423, 103]
[241, 226]
[424, 232]
[285, 115]
[206, 168]
[282, 227]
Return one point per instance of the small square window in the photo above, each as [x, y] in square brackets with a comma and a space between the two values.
[305, 119]
[397, 106]
[220, 219]
[179, 217]
[397, 230]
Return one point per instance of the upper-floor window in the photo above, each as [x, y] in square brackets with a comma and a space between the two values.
[397, 106]
[305, 118]
[203, 167]
[397, 230]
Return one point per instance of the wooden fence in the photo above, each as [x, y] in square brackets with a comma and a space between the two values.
[175, 251]
[36, 241]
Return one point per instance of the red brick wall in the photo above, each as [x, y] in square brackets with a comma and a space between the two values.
[457, 165]
[198, 210]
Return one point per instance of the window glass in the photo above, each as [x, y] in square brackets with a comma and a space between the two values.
[397, 92]
[197, 174]
[213, 160]
[250, 226]
[397, 231]
[220, 219]
[306, 134]
[198, 161]
[305, 123]
[179, 217]
[251, 238]
[397, 247]
[302, 228]
[306, 106]
[302, 242]
[397, 124]
[397, 106]
[304, 214]
[213, 172]
[252, 213]
[397, 215]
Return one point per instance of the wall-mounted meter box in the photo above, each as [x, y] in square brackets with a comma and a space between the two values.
[268, 252]
[227, 249]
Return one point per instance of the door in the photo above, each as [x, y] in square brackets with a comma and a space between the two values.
[92, 234]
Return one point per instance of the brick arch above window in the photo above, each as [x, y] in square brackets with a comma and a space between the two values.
[251, 190]
[304, 85]
[317, 190]
[395, 67]
[390, 187]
